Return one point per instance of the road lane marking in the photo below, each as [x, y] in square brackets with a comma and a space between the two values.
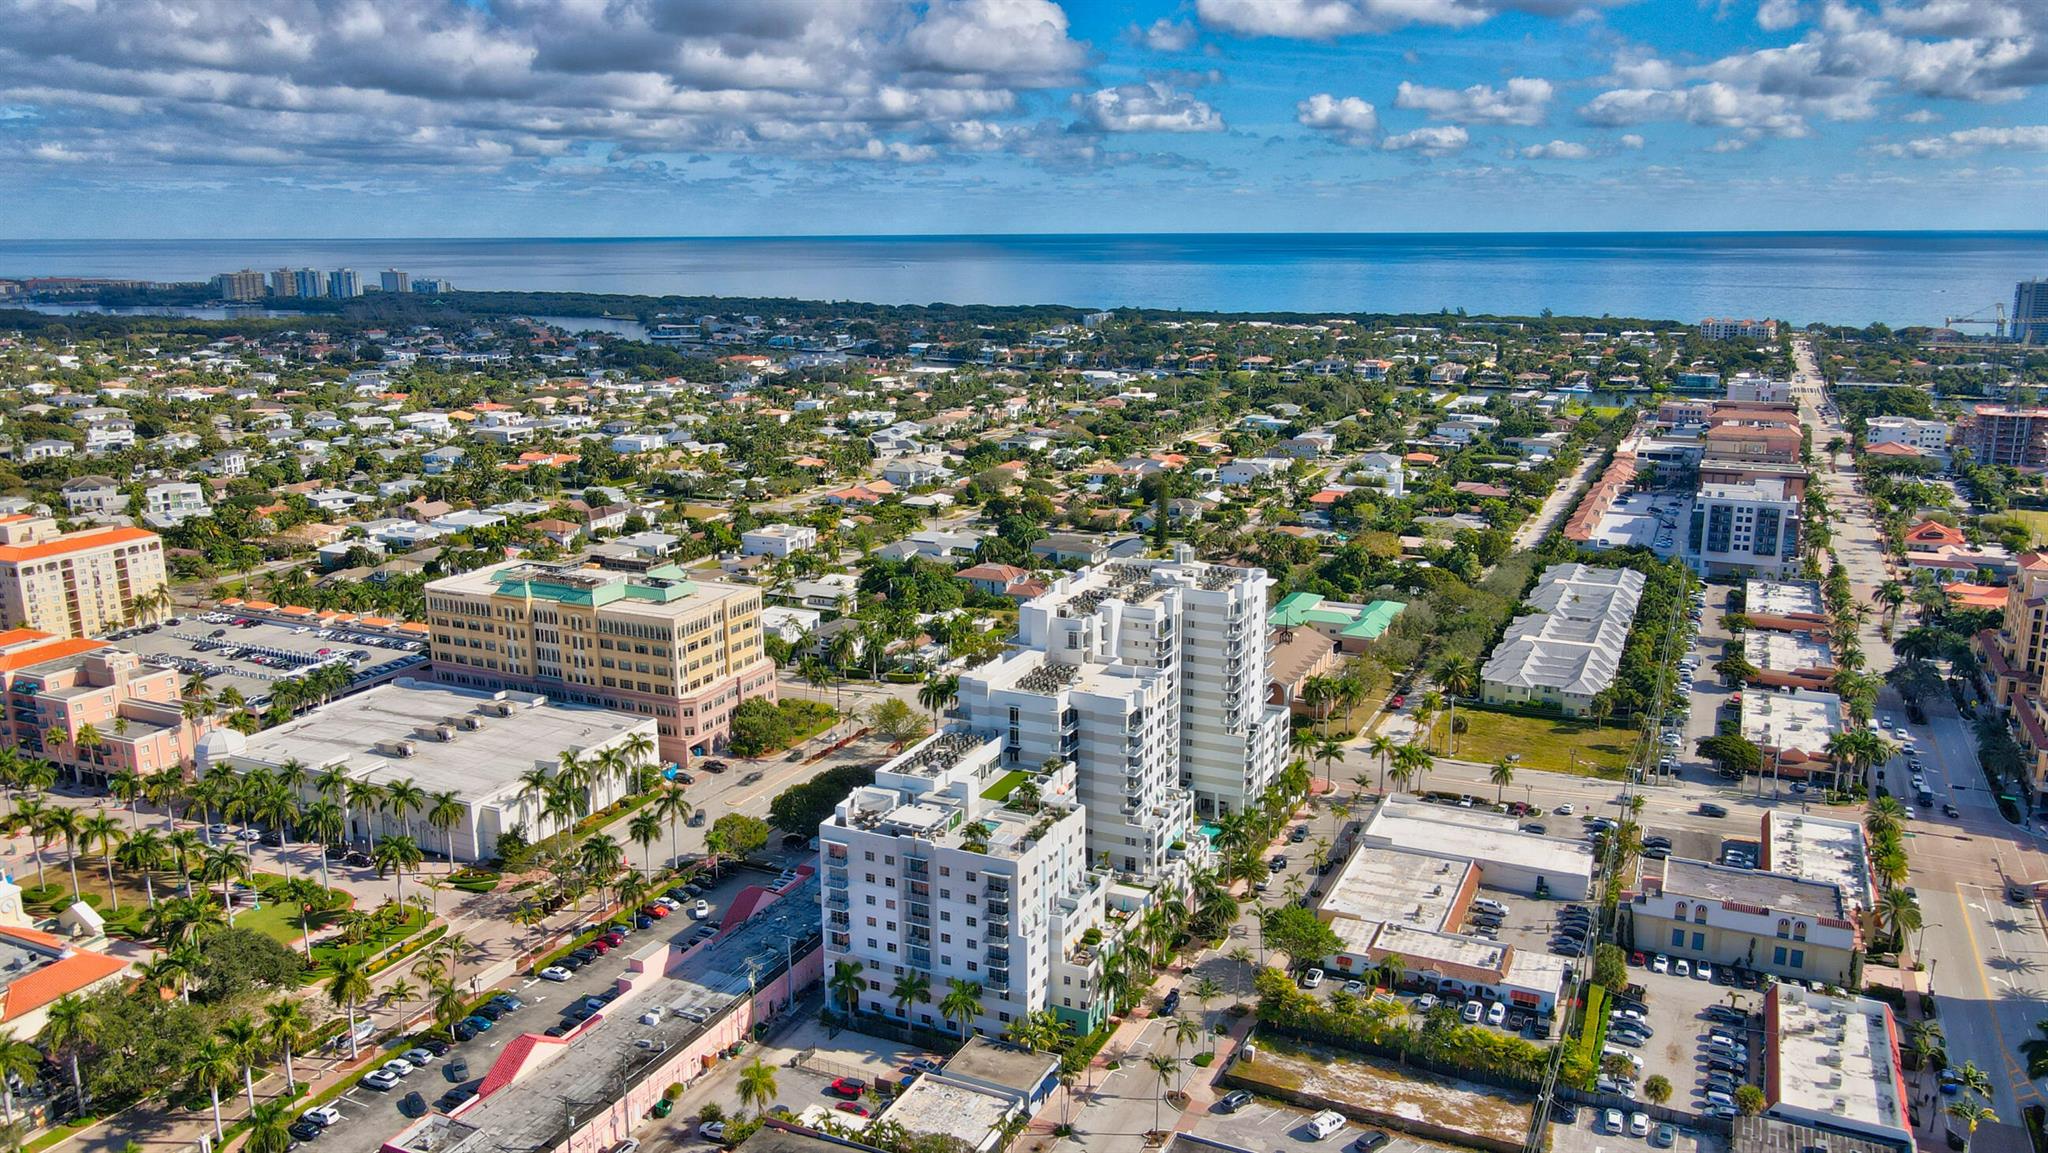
[2020, 1086]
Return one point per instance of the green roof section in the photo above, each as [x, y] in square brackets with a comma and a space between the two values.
[1360, 622]
[661, 584]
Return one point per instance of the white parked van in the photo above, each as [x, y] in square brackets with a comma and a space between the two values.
[1489, 905]
[1325, 1123]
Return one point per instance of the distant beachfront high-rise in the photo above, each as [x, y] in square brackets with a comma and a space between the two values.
[309, 282]
[342, 284]
[2030, 312]
[394, 280]
[244, 285]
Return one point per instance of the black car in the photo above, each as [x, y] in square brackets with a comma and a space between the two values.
[335, 852]
[304, 1130]
[1709, 809]
[683, 779]
[713, 766]
[751, 779]
[557, 1030]
[462, 1031]
[1231, 1102]
[1172, 1003]
[359, 860]
[1278, 862]
[572, 962]
[434, 1045]
[679, 893]
[490, 1012]
[454, 1097]
[1370, 1140]
[413, 1105]
[272, 838]
[1564, 1113]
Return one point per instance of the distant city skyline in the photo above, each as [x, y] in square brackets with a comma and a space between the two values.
[864, 117]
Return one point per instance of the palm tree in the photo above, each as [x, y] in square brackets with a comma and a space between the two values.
[212, 1065]
[397, 855]
[962, 1003]
[28, 816]
[245, 1041]
[645, 829]
[143, 853]
[21, 1061]
[849, 979]
[673, 807]
[1382, 746]
[105, 831]
[912, 988]
[938, 694]
[1458, 676]
[1503, 775]
[402, 799]
[448, 1003]
[444, 813]
[365, 797]
[285, 1025]
[1974, 1079]
[59, 821]
[270, 1127]
[126, 786]
[1411, 760]
[757, 1086]
[1899, 912]
[1972, 1112]
[69, 1025]
[1163, 1066]
[222, 864]
[347, 985]
[1329, 752]
[324, 823]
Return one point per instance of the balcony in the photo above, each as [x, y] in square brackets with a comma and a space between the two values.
[836, 900]
[998, 926]
[839, 921]
[921, 959]
[996, 888]
[998, 907]
[917, 867]
[919, 914]
[835, 878]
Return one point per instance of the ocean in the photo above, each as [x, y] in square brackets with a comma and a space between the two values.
[1898, 278]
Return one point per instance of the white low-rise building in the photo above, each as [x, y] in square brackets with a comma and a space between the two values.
[778, 540]
[1930, 437]
[1833, 1063]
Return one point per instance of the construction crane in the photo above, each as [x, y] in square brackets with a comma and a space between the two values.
[1996, 319]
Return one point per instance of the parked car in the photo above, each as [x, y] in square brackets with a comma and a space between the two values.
[555, 973]
[1312, 978]
[1231, 1102]
[1639, 1125]
[380, 1079]
[1610, 1120]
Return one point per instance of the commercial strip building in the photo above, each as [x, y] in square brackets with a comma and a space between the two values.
[1792, 727]
[92, 709]
[1151, 676]
[77, 584]
[1785, 606]
[1833, 1063]
[945, 869]
[1796, 659]
[474, 745]
[1408, 887]
[1567, 652]
[632, 634]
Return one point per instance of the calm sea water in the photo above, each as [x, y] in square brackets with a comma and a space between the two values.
[1844, 278]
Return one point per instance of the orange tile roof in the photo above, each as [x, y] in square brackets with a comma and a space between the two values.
[1975, 596]
[38, 987]
[259, 606]
[72, 543]
[412, 627]
[55, 650]
[15, 518]
[295, 611]
[13, 637]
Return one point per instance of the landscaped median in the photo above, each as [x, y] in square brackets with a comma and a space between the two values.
[1582, 1060]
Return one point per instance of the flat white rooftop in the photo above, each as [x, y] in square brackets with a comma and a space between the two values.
[1834, 1059]
[1489, 839]
[1819, 849]
[936, 1105]
[1782, 598]
[477, 763]
[1786, 652]
[1800, 721]
[1408, 887]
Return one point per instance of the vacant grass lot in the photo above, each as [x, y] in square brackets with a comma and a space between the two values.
[1552, 744]
[2035, 519]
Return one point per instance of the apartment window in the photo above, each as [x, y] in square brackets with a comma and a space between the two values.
[945, 938]
[1699, 915]
[1799, 958]
[1678, 938]
[1784, 927]
[871, 922]
[1778, 956]
[1799, 931]
[970, 922]
[944, 915]
[869, 856]
[1699, 942]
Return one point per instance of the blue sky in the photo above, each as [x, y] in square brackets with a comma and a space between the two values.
[187, 118]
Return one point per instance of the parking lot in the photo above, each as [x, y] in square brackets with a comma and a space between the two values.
[372, 1117]
[1266, 1125]
[1678, 1011]
[249, 658]
[1587, 1134]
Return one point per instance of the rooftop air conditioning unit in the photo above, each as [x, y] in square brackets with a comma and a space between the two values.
[472, 723]
[502, 708]
[444, 732]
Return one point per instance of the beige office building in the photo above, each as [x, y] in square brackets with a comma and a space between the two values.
[76, 584]
[634, 635]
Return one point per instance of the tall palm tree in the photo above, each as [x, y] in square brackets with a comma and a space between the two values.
[143, 853]
[1164, 1067]
[220, 865]
[245, 1041]
[367, 798]
[348, 984]
[324, 823]
[69, 1025]
[849, 980]
[644, 829]
[402, 799]
[19, 1061]
[1502, 775]
[911, 989]
[938, 694]
[1411, 760]
[757, 1086]
[103, 830]
[1459, 677]
[1972, 1112]
[58, 821]
[673, 808]
[962, 1003]
[28, 817]
[444, 813]
[397, 855]
[127, 787]
[1381, 745]
[285, 1025]
[211, 1066]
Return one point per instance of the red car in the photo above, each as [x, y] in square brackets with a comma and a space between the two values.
[602, 945]
[655, 911]
[853, 1107]
[1638, 960]
[848, 1087]
[1399, 700]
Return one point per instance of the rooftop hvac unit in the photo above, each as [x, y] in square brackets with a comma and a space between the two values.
[1841, 1105]
[501, 708]
[471, 722]
[444, 732]
[1831, 1058]
[396, 748]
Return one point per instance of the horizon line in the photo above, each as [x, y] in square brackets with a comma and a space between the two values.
[1276, 233]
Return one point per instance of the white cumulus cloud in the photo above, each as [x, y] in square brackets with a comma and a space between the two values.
[1348, 118]
[1557, 150]
[1429, 140]
[1330, 19]
[1524, 100]
[1151, 107]
[2022, 138]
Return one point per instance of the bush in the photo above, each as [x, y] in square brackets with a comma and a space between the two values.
[800, 807]
[759, 726]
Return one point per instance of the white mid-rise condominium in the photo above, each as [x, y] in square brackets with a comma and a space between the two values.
[1150, 676]
[947, 869]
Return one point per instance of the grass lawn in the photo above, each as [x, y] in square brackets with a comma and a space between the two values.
[1004, 786]
[1552, 744]
[2034, 519]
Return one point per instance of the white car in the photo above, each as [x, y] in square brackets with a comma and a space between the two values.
[1496, 1013]
[322, 1116]
[1682, 967]
[1639, 1125]
[555, 973]
[1660, 964]
[700, 910]
[1425, 1003]
[1703, 971]
[1312, 978]
[669, 903]
[712, 1131]
[1564, 810]
[398, 1066]
[1472, 1012]
[1611, 1120]
[380, 1079]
